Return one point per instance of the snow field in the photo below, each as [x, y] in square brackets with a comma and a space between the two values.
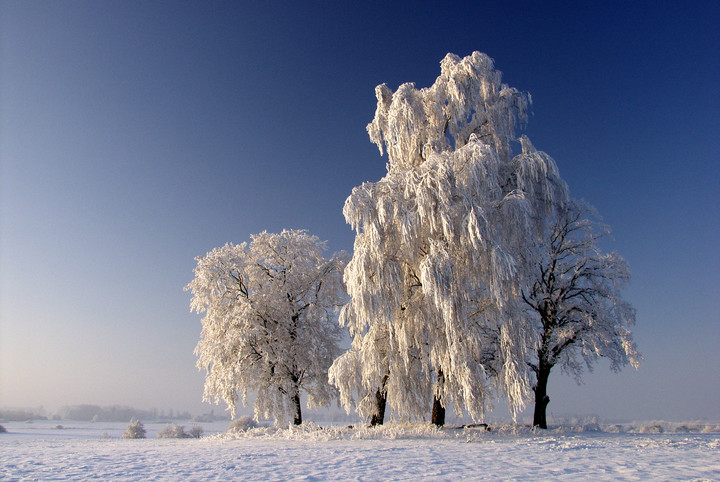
[340, 454]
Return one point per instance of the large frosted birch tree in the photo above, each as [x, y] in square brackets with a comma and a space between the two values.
[270, 323]
[439, 247]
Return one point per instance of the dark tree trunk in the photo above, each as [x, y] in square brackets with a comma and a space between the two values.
[298, 412]
[438, 410]
[541, 397]
[378, 416]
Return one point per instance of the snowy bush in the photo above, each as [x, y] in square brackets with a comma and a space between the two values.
[661, 426]
[591, 427]
[134, 430]
[242, 424]
[196, 431]
[654, 428]
[172, 430]
[3, 429]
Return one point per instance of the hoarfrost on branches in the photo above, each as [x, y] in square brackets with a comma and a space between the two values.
[270, 322]
[574, 307]
[439, 246]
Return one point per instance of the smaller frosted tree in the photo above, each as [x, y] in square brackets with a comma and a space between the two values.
[136, 429]
[270, 322]
[573, 302]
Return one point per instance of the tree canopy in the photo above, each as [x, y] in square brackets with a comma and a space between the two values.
[270, 322]
[439, 244]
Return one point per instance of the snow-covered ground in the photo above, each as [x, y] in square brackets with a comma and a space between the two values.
[80, 450]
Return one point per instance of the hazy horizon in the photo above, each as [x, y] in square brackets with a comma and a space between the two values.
[135, 136]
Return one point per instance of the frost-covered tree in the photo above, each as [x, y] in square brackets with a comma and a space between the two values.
[575, 309]
[135, 429]
[270, 322]
[437, 247]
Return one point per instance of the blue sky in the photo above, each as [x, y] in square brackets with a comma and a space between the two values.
[135, 136]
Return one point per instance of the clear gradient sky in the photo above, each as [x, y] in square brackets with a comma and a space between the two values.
[135, 136]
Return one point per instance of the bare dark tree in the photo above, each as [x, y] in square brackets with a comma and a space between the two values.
[574, 303]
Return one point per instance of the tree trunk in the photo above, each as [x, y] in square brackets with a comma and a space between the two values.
[378, 416]
[298, 412]
[541, 397]
[438, 410]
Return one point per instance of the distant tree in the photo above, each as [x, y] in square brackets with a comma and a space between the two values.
[270, 322]
[17, 415]
[572, 298]
[436, 261]
[95, 413]
[136, 429]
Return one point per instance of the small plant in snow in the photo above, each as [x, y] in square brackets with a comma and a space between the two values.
[134, 430]
[196, 431]
[242, 424]
[3, 429]
[172, 430]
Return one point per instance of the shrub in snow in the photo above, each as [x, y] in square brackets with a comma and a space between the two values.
[134, 430]
[709, 428]
[242, 424]
[196, 431]
[591, 427]
[3, 429]
[172, 430]
[654, 429]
